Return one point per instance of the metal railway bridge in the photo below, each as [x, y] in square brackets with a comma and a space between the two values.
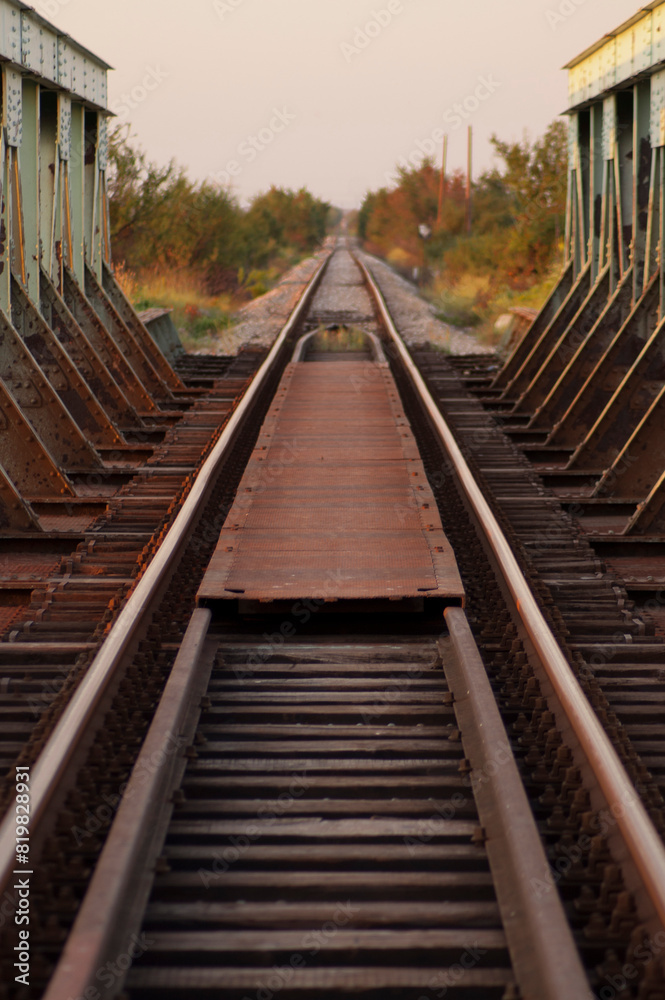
[338, 668]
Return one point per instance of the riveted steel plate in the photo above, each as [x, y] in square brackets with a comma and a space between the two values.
[334, 502]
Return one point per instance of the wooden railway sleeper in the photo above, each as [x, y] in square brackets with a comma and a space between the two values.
[510, 641]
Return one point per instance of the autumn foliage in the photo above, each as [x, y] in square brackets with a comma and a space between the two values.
[161, 221]
[518, 215]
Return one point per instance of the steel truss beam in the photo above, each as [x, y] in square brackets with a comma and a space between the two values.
[556, 299]
[554, 362]
[581, 353]
[542, 340]
[591, 371]
[78, 370]
[573, 425]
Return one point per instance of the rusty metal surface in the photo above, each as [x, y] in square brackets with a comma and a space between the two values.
[81, 352]
[554, 362]
[15, 513]
[115, 352]
[542, 321]
[609, 372]
[125, 340]
[584, 354]
[548, 338]
[66, 375]
[649, 518]
[637, 840]
[641, 385]
[138, 329]
[8, 615]
[26, 459]
[124, 868]
[341, 511]
[35, 564]
[293, 687]
[639, 464]
[36, 393]
[647, 571]
[364, 829]
[139, 546]
[66, 521]
[542, 948]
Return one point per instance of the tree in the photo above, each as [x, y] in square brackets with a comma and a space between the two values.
[161, 219]
[535, 179]
[518, 211]
[389, 219]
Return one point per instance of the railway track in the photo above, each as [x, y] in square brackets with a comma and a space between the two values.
[338, 807]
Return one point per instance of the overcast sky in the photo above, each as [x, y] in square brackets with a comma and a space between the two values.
[331, 94]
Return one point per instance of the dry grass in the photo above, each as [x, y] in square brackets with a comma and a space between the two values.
[473, 303]
[200, 319]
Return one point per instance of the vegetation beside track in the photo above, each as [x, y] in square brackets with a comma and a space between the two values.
[514, 252]
[191, 246]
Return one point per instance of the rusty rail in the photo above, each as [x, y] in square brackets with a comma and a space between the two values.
[645, 847]
[71, 730]
[541, 945]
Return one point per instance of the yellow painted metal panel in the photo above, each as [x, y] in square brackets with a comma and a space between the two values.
[636, 48]
[642, 35]
[575, 78]
[594, 81]
[625, 55]
[658, 34]
[608, 60]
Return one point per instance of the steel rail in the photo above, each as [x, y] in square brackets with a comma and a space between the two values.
[645, 847]
[127, 861]
[545, 957]
[71, 727]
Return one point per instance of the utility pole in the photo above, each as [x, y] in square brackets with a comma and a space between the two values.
[442, 184]
[468, 182]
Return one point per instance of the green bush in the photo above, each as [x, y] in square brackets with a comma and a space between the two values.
[162, 221]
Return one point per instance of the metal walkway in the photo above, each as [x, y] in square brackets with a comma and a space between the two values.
[339, 511]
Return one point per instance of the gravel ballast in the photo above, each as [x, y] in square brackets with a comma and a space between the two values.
[260, 321]
[414, 317]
